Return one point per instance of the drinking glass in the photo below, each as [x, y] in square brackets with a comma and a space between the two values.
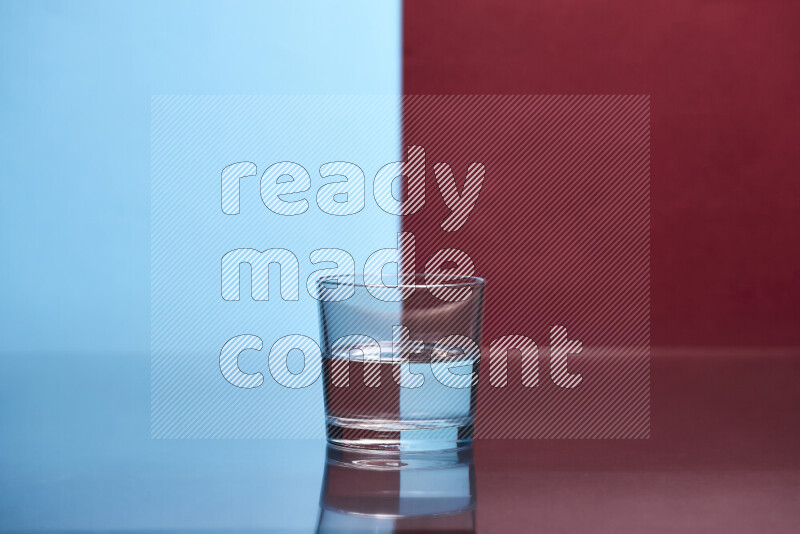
[400, 360]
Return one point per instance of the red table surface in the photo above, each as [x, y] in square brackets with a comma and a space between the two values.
[722, 457]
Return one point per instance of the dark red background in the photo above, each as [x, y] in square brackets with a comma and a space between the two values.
[723, 80]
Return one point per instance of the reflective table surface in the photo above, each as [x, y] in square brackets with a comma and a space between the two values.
[75, 455]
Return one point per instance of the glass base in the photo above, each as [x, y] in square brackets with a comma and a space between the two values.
[390, 491]
[401, 436]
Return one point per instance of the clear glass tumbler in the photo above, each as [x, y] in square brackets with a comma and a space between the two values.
[400, 360]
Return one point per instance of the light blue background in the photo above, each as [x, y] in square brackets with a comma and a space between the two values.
[77, 78]
[76, 83]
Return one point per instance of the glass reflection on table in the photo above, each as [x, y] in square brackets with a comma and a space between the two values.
[391, 492]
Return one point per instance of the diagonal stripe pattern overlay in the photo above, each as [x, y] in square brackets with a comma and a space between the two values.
[221, 237]
[561, 232]
[545, 197]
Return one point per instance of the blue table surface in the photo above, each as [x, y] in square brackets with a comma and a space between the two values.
[77, 455]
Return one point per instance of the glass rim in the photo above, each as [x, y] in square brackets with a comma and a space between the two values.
[448, 280]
